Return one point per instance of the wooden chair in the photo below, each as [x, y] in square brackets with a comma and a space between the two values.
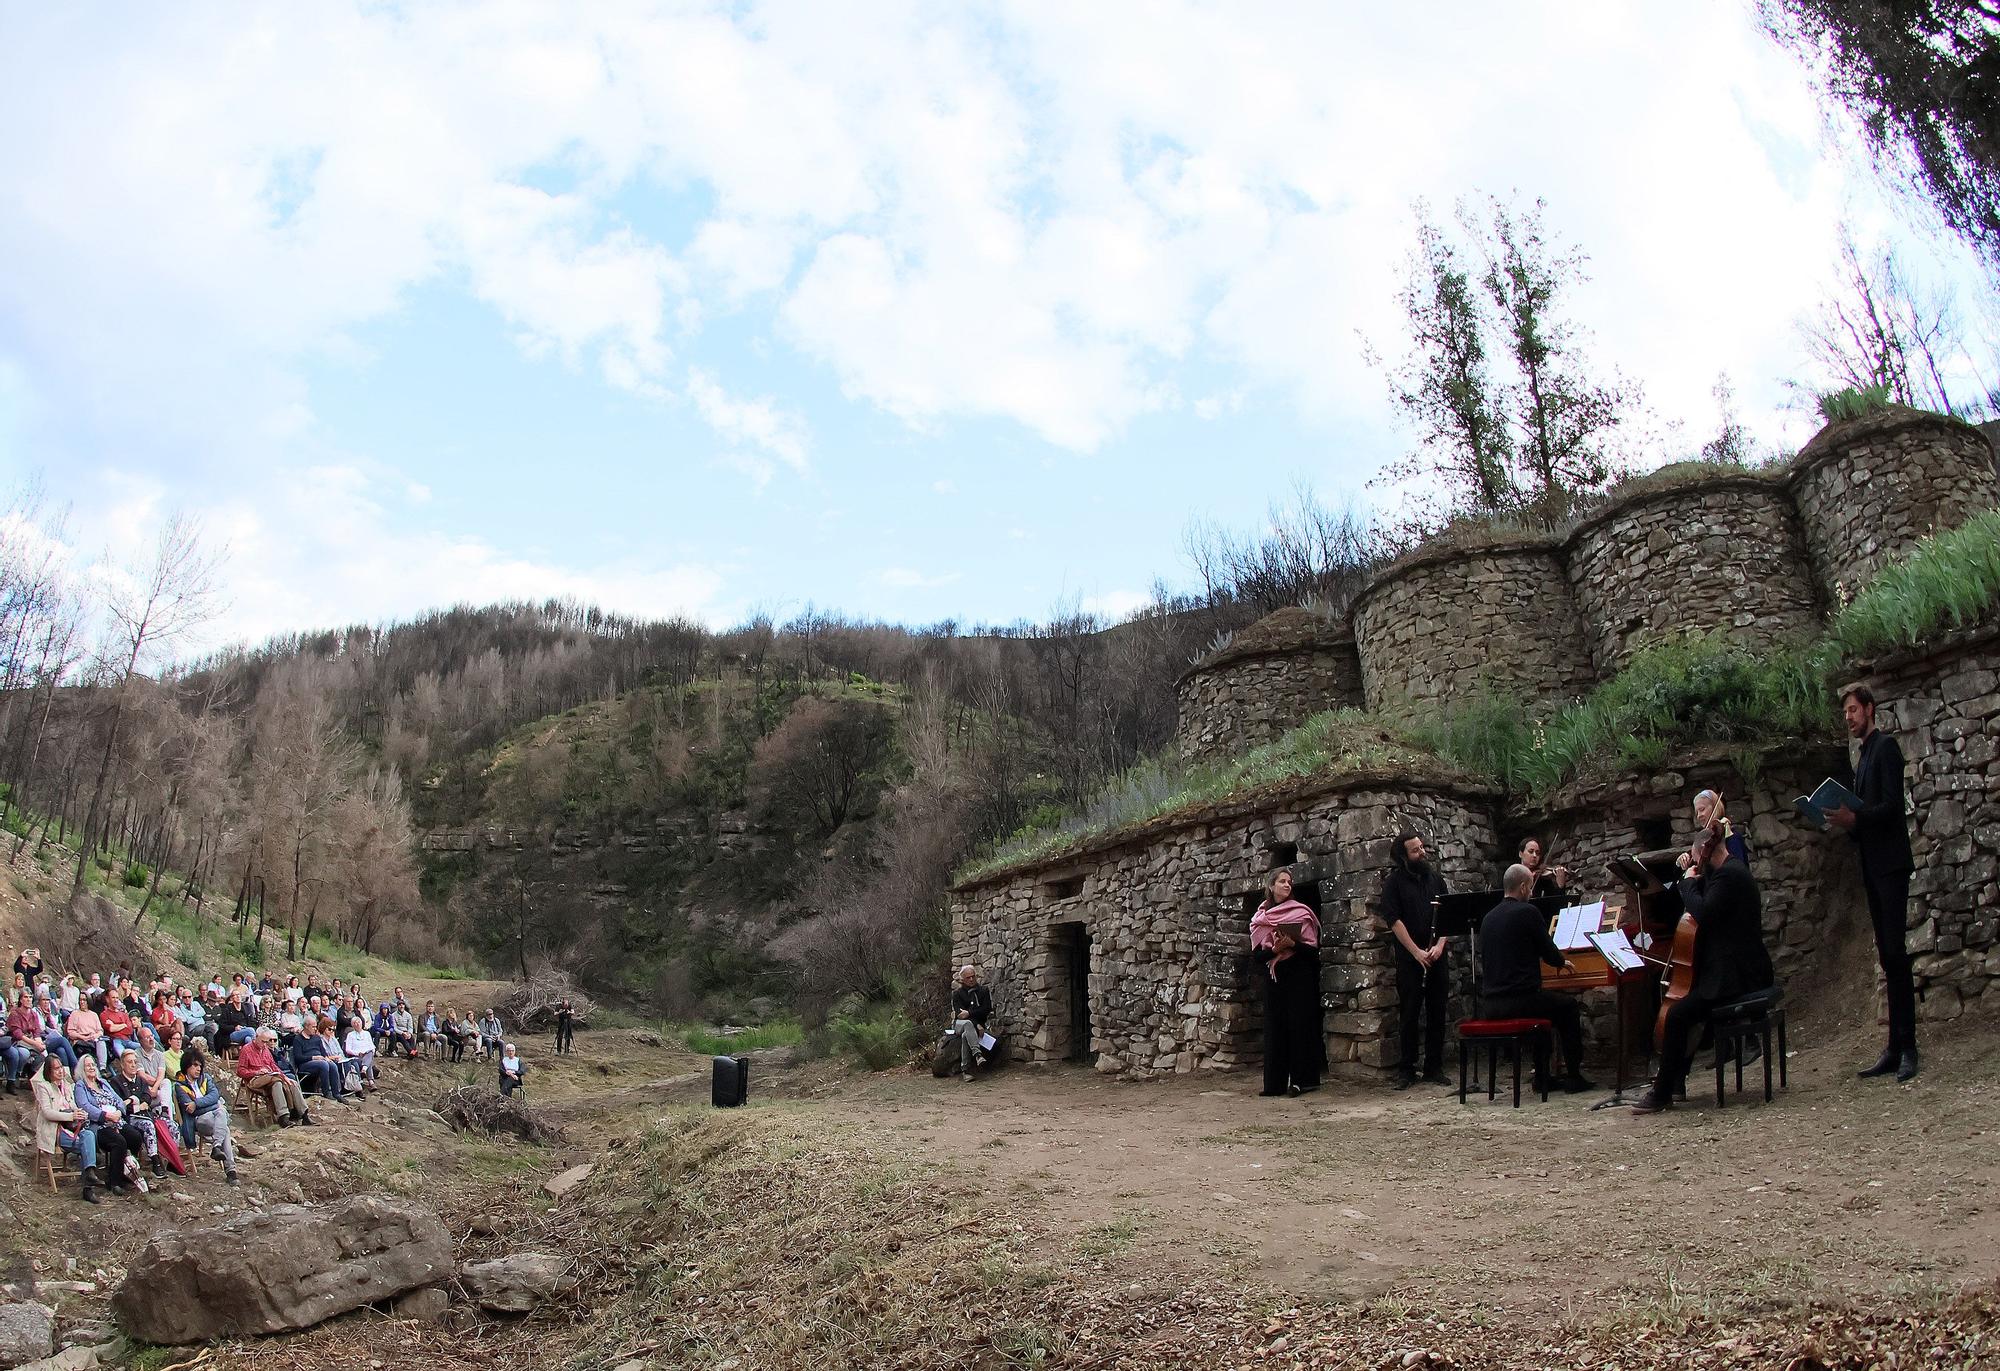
[48, 1163]
[255, 1105]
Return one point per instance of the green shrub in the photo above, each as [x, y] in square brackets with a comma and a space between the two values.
[188, 954]
[248, 950]
[137, 874]
[707, 1043]
[1853, 403]
[878, 1036]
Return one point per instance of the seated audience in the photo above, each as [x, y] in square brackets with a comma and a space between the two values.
[61, 1123]
[105, 1109]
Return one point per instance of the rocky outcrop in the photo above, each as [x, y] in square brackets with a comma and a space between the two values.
[280, 1269]
[516, 1284]
[27, 1333]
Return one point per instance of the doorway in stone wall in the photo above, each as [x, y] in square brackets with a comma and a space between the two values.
[1069, 997]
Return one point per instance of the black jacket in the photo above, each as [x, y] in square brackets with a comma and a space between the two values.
[974, 1001]
[1730, 960]
[1406, 899]
[1881, 829]
[1513, 942]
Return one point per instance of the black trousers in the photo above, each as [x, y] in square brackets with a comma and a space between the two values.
[1684, 1016]
[1888, 910]
[565, 1035]
[1560, 1010]
[1294, 1041]
[1423, 1004]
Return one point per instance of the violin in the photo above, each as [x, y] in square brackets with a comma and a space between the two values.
[1680, 960]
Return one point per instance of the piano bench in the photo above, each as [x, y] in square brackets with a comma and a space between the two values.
[1757, 1016]
[1494, 1032]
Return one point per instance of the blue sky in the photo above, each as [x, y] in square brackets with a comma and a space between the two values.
[911, 311]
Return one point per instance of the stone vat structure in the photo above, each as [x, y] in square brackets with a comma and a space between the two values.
[1283, 669]
[1868, 489]
[1134, 949]
[1134, 954]
[1446, 621]
[1730, 544]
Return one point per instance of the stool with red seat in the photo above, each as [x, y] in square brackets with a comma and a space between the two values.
[1494, 1032]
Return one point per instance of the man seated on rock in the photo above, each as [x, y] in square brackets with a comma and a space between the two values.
[972, 1009]
[512, 1072]
[119, 1031]
[490, 1034]
[21, 1043]
[257, 1068]
[316, 1070]
[203, 1114]
[428, 1033]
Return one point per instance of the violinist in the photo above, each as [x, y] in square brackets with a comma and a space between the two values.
[1550, 883]
[1730, 961]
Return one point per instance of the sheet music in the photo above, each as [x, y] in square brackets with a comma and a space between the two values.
[1617, 950]
[1575, 924]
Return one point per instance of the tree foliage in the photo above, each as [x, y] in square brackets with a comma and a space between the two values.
[1512, 419]
[1922, 79]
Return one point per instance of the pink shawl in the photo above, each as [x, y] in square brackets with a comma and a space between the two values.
[1291, 916]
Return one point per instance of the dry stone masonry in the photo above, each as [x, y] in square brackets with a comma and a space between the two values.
[1157, 924]
[1286, 667]
[1134, 951]
[1444, 623]
[1944, 709]
[1726, 550]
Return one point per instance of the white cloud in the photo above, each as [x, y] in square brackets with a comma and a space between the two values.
[943, 488]
[759, 422]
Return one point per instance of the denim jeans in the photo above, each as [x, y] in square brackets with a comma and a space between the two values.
[84, 1144]
[59, 1048]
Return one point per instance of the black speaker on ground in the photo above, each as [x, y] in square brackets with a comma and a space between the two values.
[730, 1083]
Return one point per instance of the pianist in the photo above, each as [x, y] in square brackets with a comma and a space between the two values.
[1514, 941]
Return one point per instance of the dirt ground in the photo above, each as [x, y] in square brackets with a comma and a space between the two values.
[1840, 1187]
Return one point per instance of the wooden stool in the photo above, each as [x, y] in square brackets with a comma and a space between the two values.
[1494, 1032]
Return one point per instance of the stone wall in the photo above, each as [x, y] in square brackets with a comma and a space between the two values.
[1166, 911]
[1232, 707]
[1867, 490]
[1943, 708]
[1439, 625]
[1634, 566]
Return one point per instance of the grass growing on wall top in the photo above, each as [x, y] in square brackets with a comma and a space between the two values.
[1327, 744]
[1952, 579]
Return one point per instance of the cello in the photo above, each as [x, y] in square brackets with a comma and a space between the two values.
[1680, 960]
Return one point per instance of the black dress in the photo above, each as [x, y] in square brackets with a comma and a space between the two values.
[1294, 1041]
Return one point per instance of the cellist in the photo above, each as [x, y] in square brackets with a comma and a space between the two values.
[1730, 961]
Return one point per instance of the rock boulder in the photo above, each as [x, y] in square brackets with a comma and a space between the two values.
[27, 1333]
[280, 1269]
[516, 1284]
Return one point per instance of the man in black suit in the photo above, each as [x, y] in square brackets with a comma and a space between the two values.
[1423, 973]
[1730, 960]
[1882, 832]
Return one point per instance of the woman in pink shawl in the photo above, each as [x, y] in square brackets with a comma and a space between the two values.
[1284, 940]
